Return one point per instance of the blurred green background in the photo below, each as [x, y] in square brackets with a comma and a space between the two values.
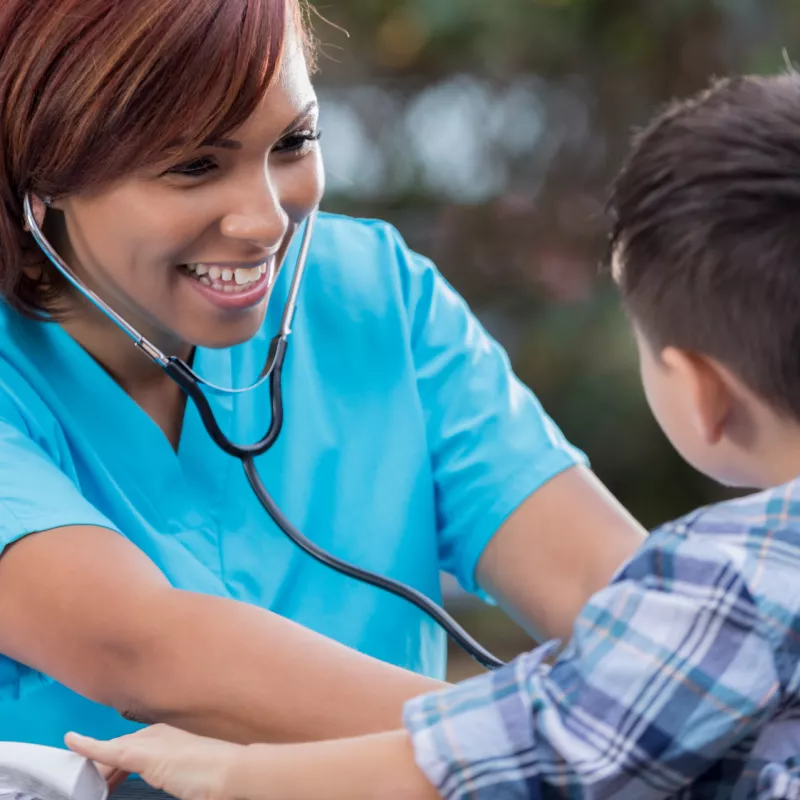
[488, 132]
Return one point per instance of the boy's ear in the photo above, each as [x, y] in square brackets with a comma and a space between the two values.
[706, 390]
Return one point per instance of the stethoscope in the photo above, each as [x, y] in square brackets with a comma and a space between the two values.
[190, 382]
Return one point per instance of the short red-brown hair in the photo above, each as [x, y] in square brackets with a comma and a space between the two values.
[91, 89]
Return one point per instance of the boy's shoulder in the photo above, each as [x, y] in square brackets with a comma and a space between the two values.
[758, 518]
[751, 542]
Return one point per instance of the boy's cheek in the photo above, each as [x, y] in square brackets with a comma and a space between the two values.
[669, 410]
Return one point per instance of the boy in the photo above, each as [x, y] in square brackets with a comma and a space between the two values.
[682, 676]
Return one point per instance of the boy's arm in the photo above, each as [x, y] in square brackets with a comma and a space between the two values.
[667, 670]
[368, 767]
[187, 766]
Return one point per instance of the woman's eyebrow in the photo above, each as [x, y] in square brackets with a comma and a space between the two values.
[233, 144]
[312, 105]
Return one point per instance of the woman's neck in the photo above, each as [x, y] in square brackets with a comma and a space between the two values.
[148, 385]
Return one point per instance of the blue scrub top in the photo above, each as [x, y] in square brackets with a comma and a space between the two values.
[407, 442]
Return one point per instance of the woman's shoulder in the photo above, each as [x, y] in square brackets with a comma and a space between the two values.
[365, 261]
[340, 230]
[26, 358]
[359, 245]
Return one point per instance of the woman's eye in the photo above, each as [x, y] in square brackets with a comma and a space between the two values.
[295, 144]
[298, 143]
[195, 168]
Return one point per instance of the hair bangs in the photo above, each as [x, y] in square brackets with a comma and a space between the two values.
[162, 83]
[216, 76]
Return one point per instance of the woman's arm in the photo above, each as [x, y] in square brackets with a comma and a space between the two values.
[518, 514]
[85, 606]
[556, 550]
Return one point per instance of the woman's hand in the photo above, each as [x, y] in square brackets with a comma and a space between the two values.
[184, 765]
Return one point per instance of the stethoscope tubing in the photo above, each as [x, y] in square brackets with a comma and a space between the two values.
[190, 382]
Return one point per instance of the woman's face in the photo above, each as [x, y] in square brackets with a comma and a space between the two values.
[189, 256]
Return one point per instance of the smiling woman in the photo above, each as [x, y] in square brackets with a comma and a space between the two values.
[158, 85]
[171, 150]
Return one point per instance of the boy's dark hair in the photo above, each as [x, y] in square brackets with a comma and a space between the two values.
[706, 231]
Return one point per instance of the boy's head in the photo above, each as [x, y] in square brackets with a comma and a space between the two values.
[706, 252]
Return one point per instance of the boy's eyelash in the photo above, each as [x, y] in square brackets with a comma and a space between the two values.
[292, 143]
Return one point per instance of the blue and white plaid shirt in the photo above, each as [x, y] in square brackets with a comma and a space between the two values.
[682, 678]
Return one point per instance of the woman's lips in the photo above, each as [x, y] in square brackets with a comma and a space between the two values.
[231, 286]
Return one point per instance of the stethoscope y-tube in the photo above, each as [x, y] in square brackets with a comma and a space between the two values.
[190, 382]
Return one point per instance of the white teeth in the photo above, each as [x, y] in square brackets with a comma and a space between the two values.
[246, 275]
[227, 279]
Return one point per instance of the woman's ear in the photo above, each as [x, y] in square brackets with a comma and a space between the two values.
[39, 207]
[706, 390]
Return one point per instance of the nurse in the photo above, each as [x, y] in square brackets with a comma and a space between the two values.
[140, 579]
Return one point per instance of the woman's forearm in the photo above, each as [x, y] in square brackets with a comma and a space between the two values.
[371, 767]
[563, 544]
[222, 668]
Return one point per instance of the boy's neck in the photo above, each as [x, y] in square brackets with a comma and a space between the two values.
[773, 457]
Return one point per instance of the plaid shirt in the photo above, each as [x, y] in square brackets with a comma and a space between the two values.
[682, 678]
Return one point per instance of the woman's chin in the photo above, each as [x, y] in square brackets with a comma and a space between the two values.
[214, 320]
[216, 334]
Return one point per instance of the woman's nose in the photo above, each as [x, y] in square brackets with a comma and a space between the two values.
[259, 218]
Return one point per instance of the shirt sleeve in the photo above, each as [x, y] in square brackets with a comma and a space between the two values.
[491, 443]
[779, 781]
[37, 493]
[668, 668]
[39, 490]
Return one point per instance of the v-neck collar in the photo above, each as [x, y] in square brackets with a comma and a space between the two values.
[121, 430]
